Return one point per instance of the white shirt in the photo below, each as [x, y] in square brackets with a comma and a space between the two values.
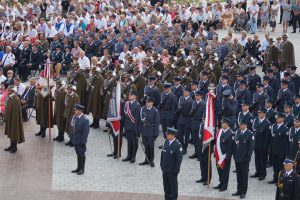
[100, 23]
[84, 63]
[8, 59]
[70, 32]
[2, 78]
[50, 32]
[20, 89]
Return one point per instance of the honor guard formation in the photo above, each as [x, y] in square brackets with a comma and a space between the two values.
[161, 69]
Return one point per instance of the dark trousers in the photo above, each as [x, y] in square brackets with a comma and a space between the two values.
[203, 156]
[242, 171]
[261, 159]
[277, 161]
[183, 135]
[132, 143]
[165, 123]
[23, 71]
[296, 21]
[148, 142]
[281, 12]
[224, 174]
[24, 109]
[115, 142]
[170, 186]
[80, 150]
[195, 139]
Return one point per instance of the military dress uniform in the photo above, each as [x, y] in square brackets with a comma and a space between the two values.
[283, 97]
[79, 136]
[245, 116]
[229, 108]
[167, 108]
[297, 161]
[294, 137]
[258, 101]
[149, 130]
[242, 155]
[279, 148]
[154, 92]
[226, 144]
[131, 128]
[170, 162]
[183, 121]
[196, 114]
[262, 132]
[287, 185]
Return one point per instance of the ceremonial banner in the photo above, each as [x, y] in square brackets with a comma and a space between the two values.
[209, 123]
[113, 114]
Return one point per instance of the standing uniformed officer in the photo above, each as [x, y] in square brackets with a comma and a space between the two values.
[288, 182]
[167, 108]
[131, 124]
[183, 118]
[279, 148]
[81, 129]
[284, 96]
[170, 161]
[152, 91]
[242, 94]
[296, 107]
[243, 151]
[226, 144]
[261, 128]
[229, 108]
[259, 99]
[289, 118]
[149, 129]
[245, 115]
[196, 115]
[177, 88]
[294, 137]
[270, 115]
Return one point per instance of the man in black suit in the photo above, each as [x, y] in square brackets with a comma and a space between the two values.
[27, 99]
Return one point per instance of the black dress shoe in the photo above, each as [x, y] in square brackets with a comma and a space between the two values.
[126, 159]
[160, 147]
[200, 180]
[261, 178]
[293, 32]
[92, 124]
[56, 138]
[105, 130]
[13, 150]
[144, 163]
[116, 156]
[68, 143]
[237, 193]
[152, 164]
[38, 134]
[132, 160]
[272, 181]
[222, 189]
[184, 151]
[8, 148]
[205, 183]
[242, 196]
[217, 187]
[193, 156]
[25, 120]
[61, 139]
[256, 175]
[75, 171]
[80, 172]
[110, 155]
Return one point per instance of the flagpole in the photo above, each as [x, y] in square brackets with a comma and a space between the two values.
[119, 144]
[208, 168]
[49, 100]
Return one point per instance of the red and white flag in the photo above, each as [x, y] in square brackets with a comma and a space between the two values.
[114, 110]
[220, 157]
[210, 122]
[46, 72]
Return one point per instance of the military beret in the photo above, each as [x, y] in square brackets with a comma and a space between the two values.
[262, 110]
[150, 99]
[167, 85]
[194, 82]
[78, 107]
[225, 120]
[293, 67]
[270, 101]
[171, 131]
[152, 78]
[243, 82]
[288, 104]
[288, 161]
[259, 85]
[133, 92]
[280, 115]
[266, 78]
[226, 93]
[199, 92]
[284, 82]
[245, 102]
[286, 74]
[177, 78]
[224, 77]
